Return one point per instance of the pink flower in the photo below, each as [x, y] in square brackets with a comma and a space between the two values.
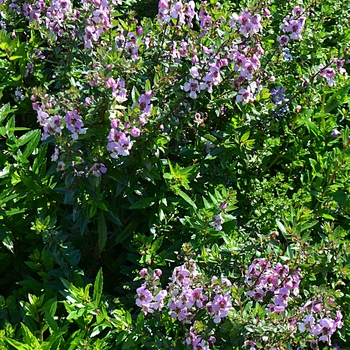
[329, 74]
[307, 324]
[244, 96]
[144, 296]
[181, 276]
[297, 11]
[192, 87]
[217, 223]
[221, 306]
[325, 327]
[135, 132]
[143, 272]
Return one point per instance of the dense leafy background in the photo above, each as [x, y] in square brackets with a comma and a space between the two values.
[73, 243]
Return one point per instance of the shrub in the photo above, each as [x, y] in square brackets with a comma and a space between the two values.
[206, 146]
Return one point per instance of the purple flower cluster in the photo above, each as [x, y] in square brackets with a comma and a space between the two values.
[278, 95]
[209, 78]
[277, 281]
[194, 339]
[56, 16]
[292, 26]
[185, 296]
[329, 72]
[118, 88]
[54, 124]
[119, 141]
[97, 19]
[176, 11]
[248, 24]
[319, 323]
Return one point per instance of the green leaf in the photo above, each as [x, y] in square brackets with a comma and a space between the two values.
[282, 229]
[102, 231]
[130, 343]
[12, 58]
[51, 306]
[98, 286]
[245, 136]
[17, 345]
[4, 111]
[186, 198]
[51, 322]
[29, 337]
[33, 143]
[53, 341]
[113, 217]
[337, 99]
[143, 203]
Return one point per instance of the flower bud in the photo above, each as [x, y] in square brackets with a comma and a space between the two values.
[335, 133]
[139, 30]
[223, 206]
[143, 272]
[158, 272]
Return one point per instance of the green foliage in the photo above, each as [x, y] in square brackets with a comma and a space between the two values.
[209, 179]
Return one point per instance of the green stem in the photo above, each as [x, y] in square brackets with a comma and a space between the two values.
[323, 110]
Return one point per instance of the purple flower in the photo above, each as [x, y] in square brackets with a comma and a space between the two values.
[98, 168]
[329, 74]
[192, 87]
[278, 95]
[325, 328]
[244, 96]
[221, 306]
[144, 296]
[158, 304]
[74, 124]
[181, 276]
[307, 324]
[135, 132]
[217, 223]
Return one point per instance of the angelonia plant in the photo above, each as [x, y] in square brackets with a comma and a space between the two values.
[196, 152]
[189, 292]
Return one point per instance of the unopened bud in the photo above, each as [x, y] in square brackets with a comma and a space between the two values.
[143, 272]
[335, 133]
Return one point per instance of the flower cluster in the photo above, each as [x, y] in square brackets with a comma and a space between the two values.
[185, 296]
[194, 339]
[248, 24]
[319, 322]
[97, 20]
[56, 16]
[280, 101]
[276, 281]
[53, 124]
[119, 141]
[177, 11]
[292, 26]
[329, 72]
